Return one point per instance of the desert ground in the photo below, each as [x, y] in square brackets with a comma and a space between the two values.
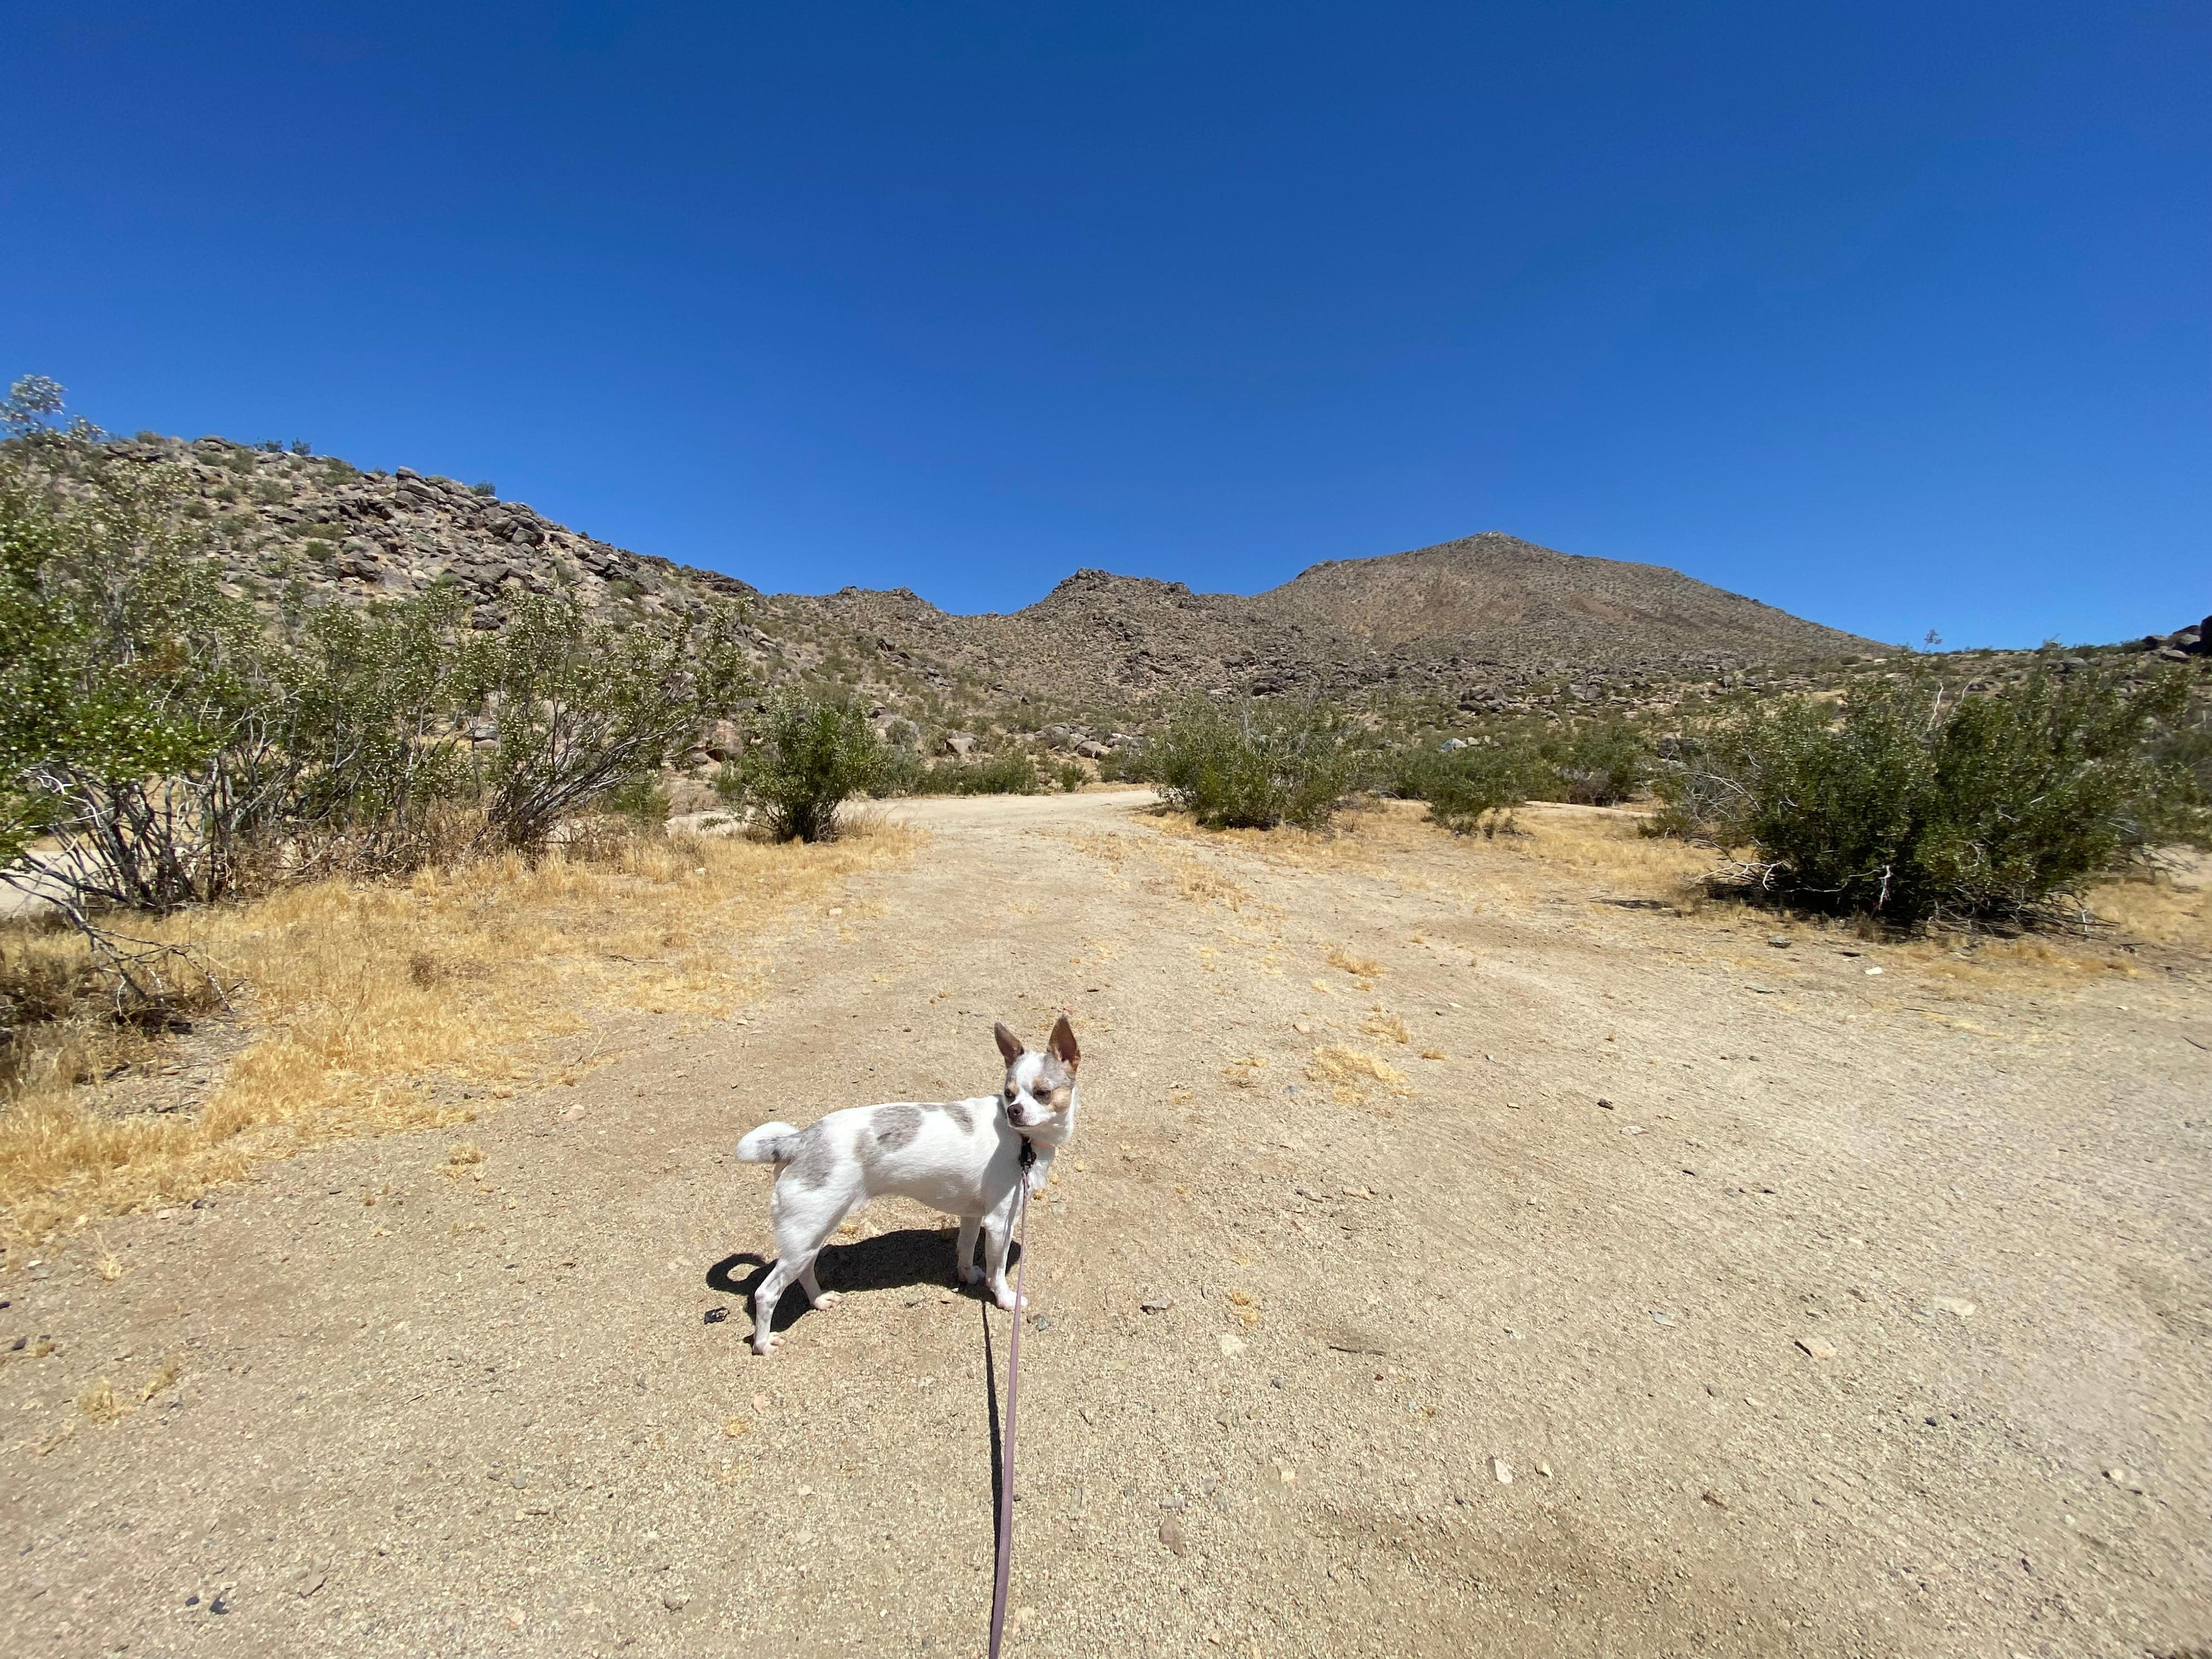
[1465, 1248]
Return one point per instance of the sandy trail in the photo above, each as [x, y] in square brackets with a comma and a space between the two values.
[1819, 1337]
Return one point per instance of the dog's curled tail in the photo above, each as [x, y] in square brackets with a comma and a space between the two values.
[770, 1144]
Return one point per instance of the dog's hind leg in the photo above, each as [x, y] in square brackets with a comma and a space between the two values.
[803, 1226]
[964, 1270]
[815, 1293]
[764, 1300]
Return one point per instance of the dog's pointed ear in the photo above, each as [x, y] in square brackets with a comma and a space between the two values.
[1062, 1043]
[1009, 1044]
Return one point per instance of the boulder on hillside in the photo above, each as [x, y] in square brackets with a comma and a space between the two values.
[722, 740]
[962, 743]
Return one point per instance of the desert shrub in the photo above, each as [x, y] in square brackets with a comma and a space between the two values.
[994, 775]
[1474, 787]
[1915, 804]
[134, 722]
[1123, 765]
[1255, 765]
[580, 706]
[641, 801]
[1071, 776]
[170, 748]
[815, 753]
[1598, 762]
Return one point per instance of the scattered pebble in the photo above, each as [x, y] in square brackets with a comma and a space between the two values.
[1231, 1346]
[1157, 1305]
[1631, 1129]
[1873, 970]
[1778, 942]
[1503, 1470]
[1174, 1500]
[1816, 1348]
[715, 1315]
[1544, 1470]
[1171, 1535]
[1952, 1305]
[1607, 1104]
[1661, 1316]
[2125, 1480]
[675, 1601]
[1715, 1499]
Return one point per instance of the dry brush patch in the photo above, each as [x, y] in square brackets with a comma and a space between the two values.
[357, 999]
[1352, 1075]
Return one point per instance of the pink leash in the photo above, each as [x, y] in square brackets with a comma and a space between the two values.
[1013, 1386]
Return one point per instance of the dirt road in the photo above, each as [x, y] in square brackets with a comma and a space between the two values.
[1808, 1309]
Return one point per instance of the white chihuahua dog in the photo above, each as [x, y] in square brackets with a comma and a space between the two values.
[969, 1158]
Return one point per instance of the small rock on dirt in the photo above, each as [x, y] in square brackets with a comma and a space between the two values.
[675, 1601]
[1816, 1348]
[2125, 1480]
[1503, 1470]
[1171, 1535]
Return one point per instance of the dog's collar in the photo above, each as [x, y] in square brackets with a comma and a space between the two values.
[1029, 1152]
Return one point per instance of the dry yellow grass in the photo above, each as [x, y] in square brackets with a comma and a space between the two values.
[1353, 1075]
[100, 1402]
[1383, 1024]
[1244, 1073]
[2165, 907]
[357, 997]
[1357, 967]
[165, 1377]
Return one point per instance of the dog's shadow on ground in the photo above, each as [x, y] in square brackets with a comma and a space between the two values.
[911, 1256]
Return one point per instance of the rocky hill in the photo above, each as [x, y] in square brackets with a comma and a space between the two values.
[1482, 619]
[1488, 622]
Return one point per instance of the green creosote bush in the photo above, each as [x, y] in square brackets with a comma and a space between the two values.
[994, 775]
[169, 748]
[815, 753]
[1599, 761]
[1072, 776]
[1254, 765]
[1915, 803]
[1470, 789]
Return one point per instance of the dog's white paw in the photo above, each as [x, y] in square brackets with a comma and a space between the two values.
[766, 1343]
[1008, 1301]
[972, 1274]
[828, 1298]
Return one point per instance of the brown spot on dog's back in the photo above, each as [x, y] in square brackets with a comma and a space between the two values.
[895, 1127]
[812, 1159]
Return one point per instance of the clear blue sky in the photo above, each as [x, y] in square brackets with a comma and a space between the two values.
[1898, 317]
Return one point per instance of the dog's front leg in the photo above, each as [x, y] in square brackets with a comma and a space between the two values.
[965, 1272]
[998, 1235]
